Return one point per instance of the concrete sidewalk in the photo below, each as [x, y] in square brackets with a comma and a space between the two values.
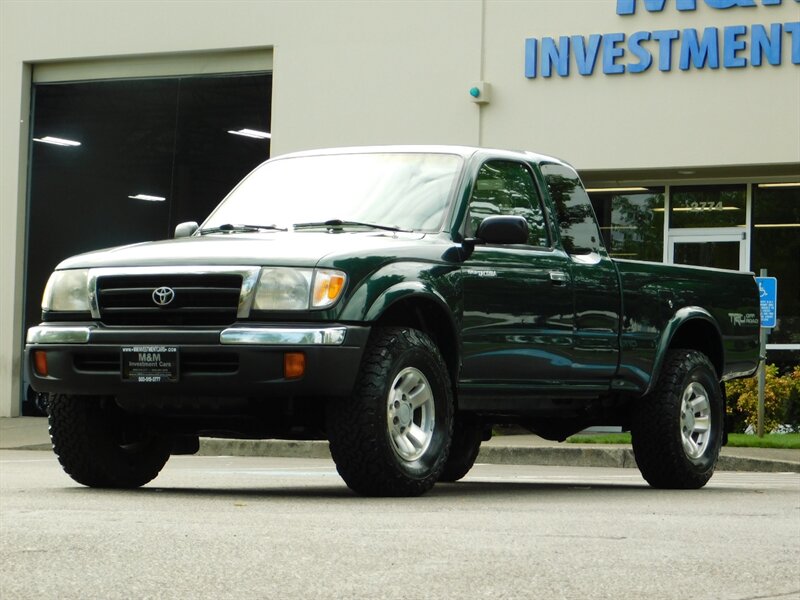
[30, 433]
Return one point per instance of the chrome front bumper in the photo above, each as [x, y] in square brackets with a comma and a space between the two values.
[260, 336]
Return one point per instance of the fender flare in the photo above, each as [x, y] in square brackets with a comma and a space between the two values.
[448, 332]
[681, 318]
[403, 290]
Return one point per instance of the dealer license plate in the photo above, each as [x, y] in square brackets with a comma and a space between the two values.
[150, 364]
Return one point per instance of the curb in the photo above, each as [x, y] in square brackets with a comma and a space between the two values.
[558, 456]
[496, 455]
[264, 448]
[737, 463]
[30, 447]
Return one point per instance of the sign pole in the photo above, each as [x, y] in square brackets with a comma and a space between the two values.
[762, 373]
[762, 380]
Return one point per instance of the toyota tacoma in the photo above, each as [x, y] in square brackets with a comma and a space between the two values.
[398, 302]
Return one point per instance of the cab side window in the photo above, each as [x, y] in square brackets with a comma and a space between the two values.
[507, 188]
[576, 219]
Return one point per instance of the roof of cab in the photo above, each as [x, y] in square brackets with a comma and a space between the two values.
[463, 151]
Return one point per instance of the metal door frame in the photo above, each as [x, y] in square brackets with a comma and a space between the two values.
[709, 234]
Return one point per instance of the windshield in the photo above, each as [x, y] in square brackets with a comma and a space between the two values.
[397, 190]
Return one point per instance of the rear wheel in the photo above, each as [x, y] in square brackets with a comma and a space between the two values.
[391, 438]
[99, 445]
[677, 430]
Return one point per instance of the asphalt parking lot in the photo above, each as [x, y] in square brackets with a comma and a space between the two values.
[250, 527]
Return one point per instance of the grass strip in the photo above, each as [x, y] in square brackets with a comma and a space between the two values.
[790, 441]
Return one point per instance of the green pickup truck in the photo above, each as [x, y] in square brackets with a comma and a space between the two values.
[399, 302]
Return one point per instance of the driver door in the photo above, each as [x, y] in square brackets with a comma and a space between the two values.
[518, 299]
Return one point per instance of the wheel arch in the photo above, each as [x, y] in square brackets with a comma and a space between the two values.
[423, 309]
[692, 328]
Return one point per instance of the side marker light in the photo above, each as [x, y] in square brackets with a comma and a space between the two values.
[40, 362]
[294, 365]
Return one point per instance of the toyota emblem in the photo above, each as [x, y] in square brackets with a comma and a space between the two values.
[163, 295]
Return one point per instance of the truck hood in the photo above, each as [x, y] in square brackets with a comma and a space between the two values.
[291, 249]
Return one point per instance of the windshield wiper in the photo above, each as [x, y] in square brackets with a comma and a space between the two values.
[240, 227]
[341, 223]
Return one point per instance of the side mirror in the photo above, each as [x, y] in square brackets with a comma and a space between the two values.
[185, 229]
[503, 229]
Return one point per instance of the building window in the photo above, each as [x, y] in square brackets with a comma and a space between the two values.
[776, 247]
[632, 223]
[708, 206]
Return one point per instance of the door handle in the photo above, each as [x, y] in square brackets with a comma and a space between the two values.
[559, 277]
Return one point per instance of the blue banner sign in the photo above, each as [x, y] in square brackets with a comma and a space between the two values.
[731, 47]
[768, 294]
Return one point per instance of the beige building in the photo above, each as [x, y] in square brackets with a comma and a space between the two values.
[683, 117]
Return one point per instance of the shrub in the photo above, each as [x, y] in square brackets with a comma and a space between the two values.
[781, 400]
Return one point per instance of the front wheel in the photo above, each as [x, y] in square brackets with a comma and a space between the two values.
[99, 445]
[392, 437]
[677, 430]
[467, 437]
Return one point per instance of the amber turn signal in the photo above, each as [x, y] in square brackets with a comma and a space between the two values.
[328, 286]
[294, 365]
[40, 362]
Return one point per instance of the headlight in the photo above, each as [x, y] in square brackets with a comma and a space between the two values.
[282, 288]
[67, 291]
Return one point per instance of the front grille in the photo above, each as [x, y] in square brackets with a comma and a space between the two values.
[208, 363]
[97, 362]
[199, 299]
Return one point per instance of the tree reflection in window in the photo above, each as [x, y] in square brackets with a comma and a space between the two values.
[632, 223]
[506, 188]
[576, 220]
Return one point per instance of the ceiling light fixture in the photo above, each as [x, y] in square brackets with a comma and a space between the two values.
[619, 189]
[49, 139]
[147, 198]
[779, 185]
[252, 133]
[698, 209]
[703, 208]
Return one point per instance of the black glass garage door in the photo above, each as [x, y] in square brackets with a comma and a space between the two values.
[117, 162]
[124, 161]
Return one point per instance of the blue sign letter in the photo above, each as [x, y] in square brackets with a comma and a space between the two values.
[665, 38]
[555, 56]
[628, 7]
[643, 54]
[531, 55]
[585, 57]
[732, 45]
[611, 53]
[763, 44]
[729, 3]
[700, 53]
[793, 29]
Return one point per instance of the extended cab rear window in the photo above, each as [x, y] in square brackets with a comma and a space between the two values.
[576, 219]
